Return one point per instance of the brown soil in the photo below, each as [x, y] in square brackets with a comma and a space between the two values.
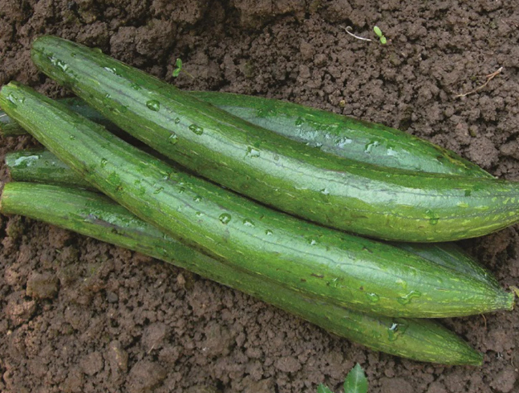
[82, 316]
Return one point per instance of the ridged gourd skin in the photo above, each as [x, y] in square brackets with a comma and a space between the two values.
[41, 166]
[344, 194]
[335, 134]
[347, 270]
[96, 216]
[343, 136]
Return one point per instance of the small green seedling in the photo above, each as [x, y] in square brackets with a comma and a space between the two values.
[379, 34]
[355, 382]
[178, 69]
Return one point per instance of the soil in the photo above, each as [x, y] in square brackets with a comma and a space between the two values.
[79, 315]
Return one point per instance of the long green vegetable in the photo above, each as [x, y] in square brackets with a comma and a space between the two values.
[362, 274]
[335, 134]
[93, 215]
[44, 167]
[394, 205]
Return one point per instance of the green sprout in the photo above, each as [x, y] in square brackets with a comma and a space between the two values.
[379, 34]
[355, 382]
[178, 69]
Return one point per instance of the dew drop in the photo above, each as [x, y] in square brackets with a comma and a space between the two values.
[373, 297]
[406, 299]
[268, 232]
[153, 105]
[324, 191]
[299, 122]
[396, 330]
[71, 137]
[248, 223]
[433, 218]
[196, 129]
[104, 161]
[197, 198]
[199, 214]
[312, 242]
[252, 152]
[225, 218]
[173, 138]
[12, 99]
[177, 120]
[334, 283]
[369, 146]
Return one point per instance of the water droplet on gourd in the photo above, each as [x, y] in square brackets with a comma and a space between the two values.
[104, 161]
[248, 223]
[433, 218]
[153, 105]
[252, 152]
[373, 297]
[225, 218]
[369, 146]
[197, 198]
[299, 121]
[196, 129]
[71, 137]
[13, 100]
[312, 242]
[177, 120]
[268, 232]
[324, 191]
[199, 214]
[406, 299]
[396, 330]
[173, 138]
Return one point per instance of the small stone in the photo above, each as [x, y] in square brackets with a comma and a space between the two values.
[154, 336]
[19, 310]
[145, 376]
[288, 364]
[92, 363]
[218, 341]
[42, 286]
[118, 358]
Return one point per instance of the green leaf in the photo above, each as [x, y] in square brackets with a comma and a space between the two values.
[377, 31]
[383, 40]
[323, 389]
[356, 381]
